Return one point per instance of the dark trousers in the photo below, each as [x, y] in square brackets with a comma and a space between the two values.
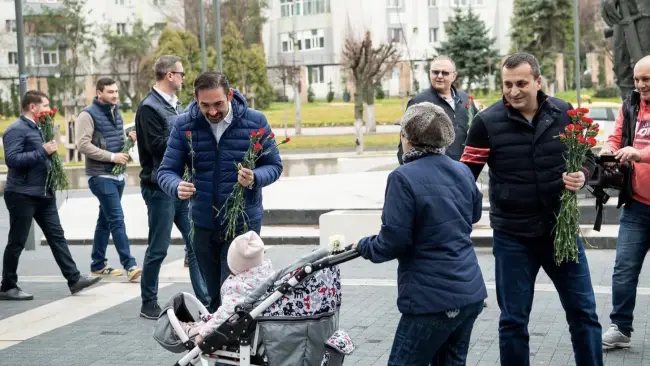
[211, 252]
[518, 261]
[434, 339]
[163, 212]
[22, 210]
[110, 222]
[631, 248]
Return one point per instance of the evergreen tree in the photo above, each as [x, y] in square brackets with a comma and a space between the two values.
[544, 28]
[469, 46]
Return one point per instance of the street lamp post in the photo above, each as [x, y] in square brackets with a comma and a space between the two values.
[204, 63]
[22, 87]
[217, 15]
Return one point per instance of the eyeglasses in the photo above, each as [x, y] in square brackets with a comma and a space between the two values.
[443, 73]
[182, 74]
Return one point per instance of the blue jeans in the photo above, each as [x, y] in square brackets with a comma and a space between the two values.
[163, 212]
[631, 248]
[435, 339]
[518, 261]
[211, 254]
[110, 222]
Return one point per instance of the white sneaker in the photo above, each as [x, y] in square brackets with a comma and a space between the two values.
[613, 338]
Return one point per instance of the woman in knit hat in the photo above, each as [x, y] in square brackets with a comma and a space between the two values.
[430, 205]
[248, 270]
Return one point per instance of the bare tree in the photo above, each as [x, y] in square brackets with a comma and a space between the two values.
[367, 66]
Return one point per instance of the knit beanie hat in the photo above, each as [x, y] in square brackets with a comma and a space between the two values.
[427, 125]
[245, 252]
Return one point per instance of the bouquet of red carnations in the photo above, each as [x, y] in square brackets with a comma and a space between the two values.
[579, 137]
[234, 207]
[56, 179]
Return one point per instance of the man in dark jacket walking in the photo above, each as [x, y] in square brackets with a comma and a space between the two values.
[213, 136]
[455, 103]
[156, 114]
[517, 138]
[28, 158]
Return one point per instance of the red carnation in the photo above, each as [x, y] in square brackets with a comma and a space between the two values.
[595, 127]
[570, 128]
[562, 136]
[253, 133]
[287, 139]
[581, 139]
[53, 112]
[261, 132]
[257, 146]
[188, 133]
[572, 113]
[467, 105]
[582, 110]
[586, 120]
[578, 128]
[592, 141]
[470, 98]
[271, 135]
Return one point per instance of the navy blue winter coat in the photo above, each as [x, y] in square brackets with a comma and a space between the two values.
[26, 158]
[429, 208]
[215, 164]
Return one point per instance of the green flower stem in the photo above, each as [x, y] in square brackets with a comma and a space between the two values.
[56, 179]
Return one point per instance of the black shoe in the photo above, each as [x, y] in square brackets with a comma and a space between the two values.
[15, 294]
[151, 311]
[83, 283]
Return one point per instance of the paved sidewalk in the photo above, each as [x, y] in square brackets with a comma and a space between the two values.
[117, 336]
[335, 130]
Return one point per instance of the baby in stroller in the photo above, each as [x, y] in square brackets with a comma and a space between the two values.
[248, 270]
[291, 319]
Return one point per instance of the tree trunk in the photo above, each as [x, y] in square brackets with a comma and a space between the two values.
[358, 116]
[371, 123]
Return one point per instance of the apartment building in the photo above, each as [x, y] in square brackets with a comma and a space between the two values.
[43, 56]
[312, 33]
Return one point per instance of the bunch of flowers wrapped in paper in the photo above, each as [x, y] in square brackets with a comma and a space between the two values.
[233, 210]
[579, 137]
[56, 179]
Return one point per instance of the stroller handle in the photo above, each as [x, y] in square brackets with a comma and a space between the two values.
[347, 255]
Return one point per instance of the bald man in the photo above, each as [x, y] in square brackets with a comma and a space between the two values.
[630, 142]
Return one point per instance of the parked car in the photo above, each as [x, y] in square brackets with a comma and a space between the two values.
[604, 113]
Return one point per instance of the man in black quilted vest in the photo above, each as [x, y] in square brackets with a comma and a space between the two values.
[156, 114]
[100, 137]
[517, 138]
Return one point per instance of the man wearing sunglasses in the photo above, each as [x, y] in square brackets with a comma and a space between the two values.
[156, 114]
[442, 73]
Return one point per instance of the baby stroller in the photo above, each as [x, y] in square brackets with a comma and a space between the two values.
[292, 319]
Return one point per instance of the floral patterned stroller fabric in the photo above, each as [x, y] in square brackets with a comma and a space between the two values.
[295, 330]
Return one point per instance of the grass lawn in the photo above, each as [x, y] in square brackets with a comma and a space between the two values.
[337, 113]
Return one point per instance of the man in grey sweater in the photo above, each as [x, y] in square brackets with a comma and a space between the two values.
[100, 137]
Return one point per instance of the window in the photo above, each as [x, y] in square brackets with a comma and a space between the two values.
[287, 42]
[289, 8]
[314, 39]
[458, 3]
[396, 35]
[13, 58]
[159, 2]
[316, 74]
[598, 114]
[119, 2]
[312, 7]
[10, 26]
[121, 28]
[395, 3]
[433, 35]
[432, 3]
[50, 57]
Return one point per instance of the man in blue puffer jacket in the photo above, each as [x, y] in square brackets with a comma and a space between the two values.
[217, 127]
